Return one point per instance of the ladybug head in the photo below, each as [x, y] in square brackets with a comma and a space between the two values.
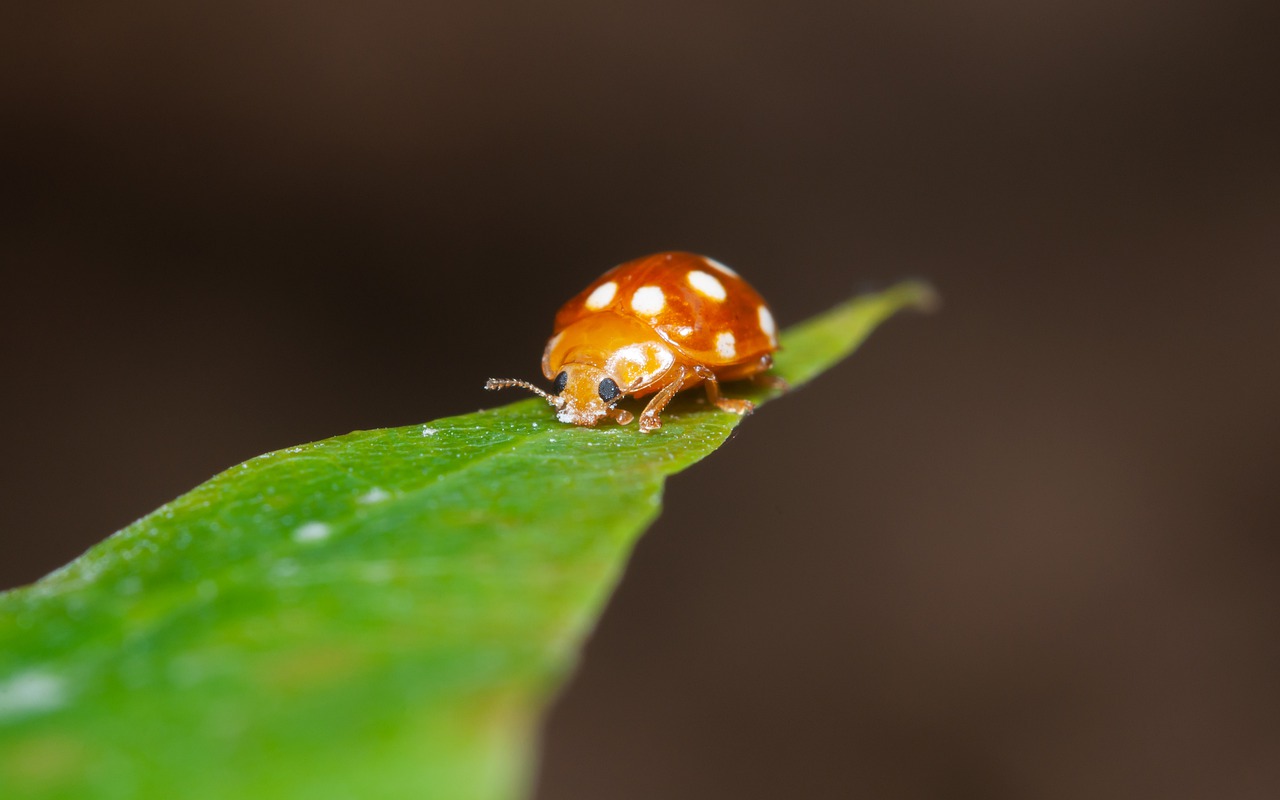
[583, 393]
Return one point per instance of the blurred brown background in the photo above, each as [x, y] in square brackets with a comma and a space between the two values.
[1027, 547]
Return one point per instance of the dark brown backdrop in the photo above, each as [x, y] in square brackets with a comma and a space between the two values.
[1027, 547]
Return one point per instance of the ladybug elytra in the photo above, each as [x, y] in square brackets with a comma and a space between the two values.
[655, 325]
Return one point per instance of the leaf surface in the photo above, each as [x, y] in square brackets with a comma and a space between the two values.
[381, 614]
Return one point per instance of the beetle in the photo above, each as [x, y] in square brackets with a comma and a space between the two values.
[654, 326]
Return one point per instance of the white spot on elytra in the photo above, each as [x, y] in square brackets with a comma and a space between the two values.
[684, 330]
[429, 431]
[31, 691]
[311, 532]
[638, 364]
[711, 262]
[766, 323]
[374, 495]
[706, 284]
[726, 345]
[602, 296]
[648, 300]
[633, 352]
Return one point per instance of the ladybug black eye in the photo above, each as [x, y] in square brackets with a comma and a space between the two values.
[609, 390]
[562, 380]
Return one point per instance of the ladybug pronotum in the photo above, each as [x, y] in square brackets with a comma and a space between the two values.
[655, 325]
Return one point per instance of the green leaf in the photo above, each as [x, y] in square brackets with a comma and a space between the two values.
[381, 614]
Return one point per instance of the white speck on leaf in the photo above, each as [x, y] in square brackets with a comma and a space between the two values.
[428, 431]
[311, 532]
[374, 495]
[377, 572]
[31, 691]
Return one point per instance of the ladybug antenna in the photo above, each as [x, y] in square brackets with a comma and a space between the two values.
[494, 384]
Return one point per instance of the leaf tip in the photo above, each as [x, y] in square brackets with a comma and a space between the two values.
[919, 295]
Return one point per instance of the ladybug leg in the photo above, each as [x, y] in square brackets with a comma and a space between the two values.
[768, 381]
[620, 415]
[713, 393]
[649, 419]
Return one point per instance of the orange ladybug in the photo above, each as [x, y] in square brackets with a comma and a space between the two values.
[655, 325]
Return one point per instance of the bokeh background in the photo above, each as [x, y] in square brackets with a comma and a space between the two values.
[1026, 547]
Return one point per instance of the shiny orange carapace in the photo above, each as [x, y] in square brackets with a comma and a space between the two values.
[655, 325]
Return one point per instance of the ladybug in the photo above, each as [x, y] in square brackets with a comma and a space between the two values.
[654, 326]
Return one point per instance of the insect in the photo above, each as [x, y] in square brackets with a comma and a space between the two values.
[654, 326]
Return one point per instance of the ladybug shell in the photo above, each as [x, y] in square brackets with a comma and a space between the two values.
[703, 309]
